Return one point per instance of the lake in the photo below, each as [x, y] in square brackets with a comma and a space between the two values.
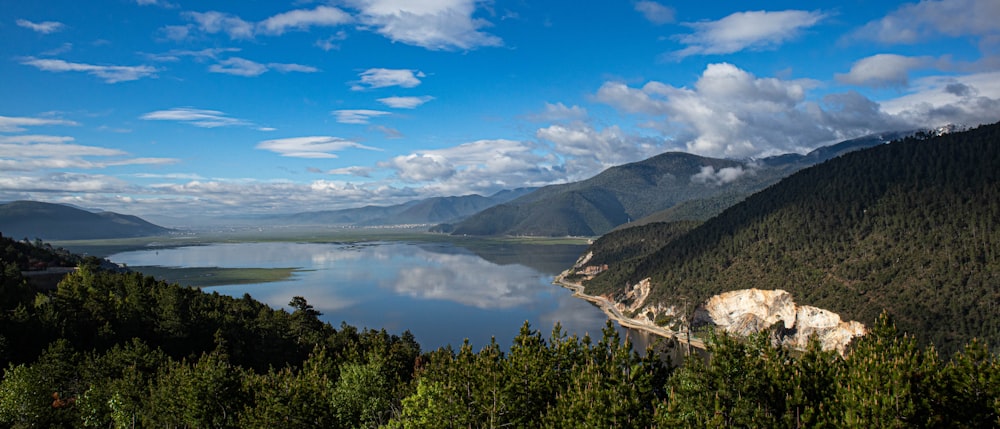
[441, 292]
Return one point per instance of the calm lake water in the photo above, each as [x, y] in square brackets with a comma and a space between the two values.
[441, 292]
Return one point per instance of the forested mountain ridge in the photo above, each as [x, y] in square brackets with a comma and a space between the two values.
[699, 186]
[32, 219]
[912, 228]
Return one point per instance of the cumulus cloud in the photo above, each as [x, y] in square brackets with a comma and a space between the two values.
[731, 113]
[479, 166]
[303, 19]
[434, 25]
[310, 147]
[405, 102]
[655, 12]
[357, 116]
[756, 30]
[381, 78]
[198, 117]
[916, 22]
[45, 27]
[710, 176]
[587, 151]
[883, 70]
[110, 74]
[16, 124]
[940, 100]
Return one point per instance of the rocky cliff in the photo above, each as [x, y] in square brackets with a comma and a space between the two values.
[742, 312]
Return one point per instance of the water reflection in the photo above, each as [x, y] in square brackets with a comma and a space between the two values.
[440, 292]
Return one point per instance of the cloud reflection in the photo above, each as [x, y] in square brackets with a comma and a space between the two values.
[469, 280]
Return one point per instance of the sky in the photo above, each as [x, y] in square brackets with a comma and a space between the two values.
[179, 107]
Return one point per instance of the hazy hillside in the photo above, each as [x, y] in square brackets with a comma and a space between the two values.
[425, 211]
[911, 227]
[630, 192]
[31, 219]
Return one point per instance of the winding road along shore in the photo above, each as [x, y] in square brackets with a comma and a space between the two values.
[609, 308]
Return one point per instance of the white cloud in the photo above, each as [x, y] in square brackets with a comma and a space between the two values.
[35, 138]
[219, 22]
[60, 183]
[310, 147]
[434, 25]
[357, 116]
[303, 19]
[916, 22]
[655, 12]
[16, 124]
[480, 166]
[559, 112]
[883, 70]
[239, 67]
[381, 78]
[244, 67]
[45, 27]
[405, 102]
[352, 171]
[732, 113]
[588, 151]
[197, 117]
[39, 152]
[110, 74]
[754, 30]
[177, 54]
[289, 68]
[328, 44]
[160, 3]
[709, 176]
[940, 100]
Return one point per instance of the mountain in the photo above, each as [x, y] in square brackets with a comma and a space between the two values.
[32, 219]
[911, 228]
[427, 211]
[630, 192]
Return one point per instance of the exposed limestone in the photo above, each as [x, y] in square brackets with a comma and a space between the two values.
[744, 312]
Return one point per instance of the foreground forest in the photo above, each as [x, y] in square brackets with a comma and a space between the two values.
[911, 228]
[109, 349]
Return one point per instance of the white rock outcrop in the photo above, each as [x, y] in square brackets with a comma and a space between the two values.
[744, 312]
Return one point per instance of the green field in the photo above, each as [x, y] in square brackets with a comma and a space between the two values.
[215, 276]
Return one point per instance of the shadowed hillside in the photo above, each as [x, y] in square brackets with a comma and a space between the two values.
[912, 227]
[31, 219]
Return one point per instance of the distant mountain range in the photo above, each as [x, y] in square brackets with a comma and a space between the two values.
[32, 219]
[689, 187]
[911, 228]
[418, 212]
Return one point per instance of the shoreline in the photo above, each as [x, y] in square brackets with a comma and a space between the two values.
[607, 306]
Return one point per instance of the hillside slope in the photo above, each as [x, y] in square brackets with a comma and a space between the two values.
[426, 211]
[911, 227]
[698, 187]
[32, 219]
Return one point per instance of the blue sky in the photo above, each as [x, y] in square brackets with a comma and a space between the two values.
[217, 107]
